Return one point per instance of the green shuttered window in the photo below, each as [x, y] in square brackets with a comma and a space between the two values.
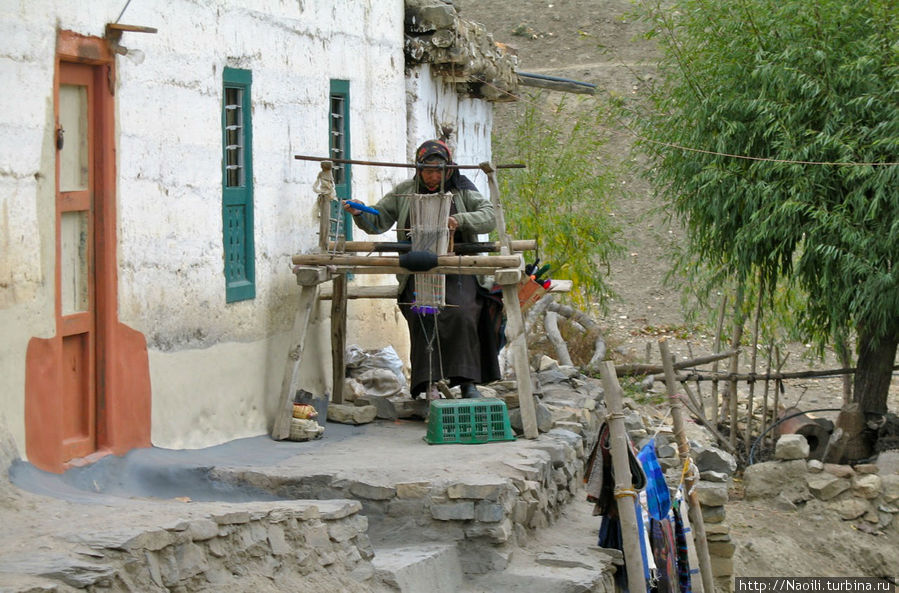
[237, 185]
[339, 148]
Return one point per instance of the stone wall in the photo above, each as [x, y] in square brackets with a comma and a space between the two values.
[260, 547]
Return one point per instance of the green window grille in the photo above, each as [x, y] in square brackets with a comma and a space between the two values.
[237, 185]
[339, 148]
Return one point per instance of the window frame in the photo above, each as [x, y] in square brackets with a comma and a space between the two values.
[340, 89]
[242, 194]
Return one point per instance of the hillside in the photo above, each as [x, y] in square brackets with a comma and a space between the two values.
[595, 41]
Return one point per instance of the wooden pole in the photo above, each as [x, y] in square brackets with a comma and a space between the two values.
[290, 381]
[459, 248]
[718, 332]
[734, 362]
[699, 397]
[303, 157]
[683, 447]
[625, 495]
[338, 338]
[764, 425]
[450, 261]
[324, 213]
[747, 436]
[653, 369]
[515, 338]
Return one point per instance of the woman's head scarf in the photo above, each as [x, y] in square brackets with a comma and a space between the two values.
[438, 148]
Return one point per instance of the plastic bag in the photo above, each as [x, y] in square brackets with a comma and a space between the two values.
[358, 361]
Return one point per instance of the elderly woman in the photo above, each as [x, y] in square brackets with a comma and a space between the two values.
[459, 343]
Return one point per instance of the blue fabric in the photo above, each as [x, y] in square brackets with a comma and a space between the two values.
[657, 496]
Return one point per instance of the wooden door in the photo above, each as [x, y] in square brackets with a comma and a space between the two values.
[76, 175]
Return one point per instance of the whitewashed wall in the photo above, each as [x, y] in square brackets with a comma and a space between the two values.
[432, 103]
[215, 367]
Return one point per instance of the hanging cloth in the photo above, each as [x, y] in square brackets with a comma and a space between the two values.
[599, 477]
[658, 498]
[683, 556]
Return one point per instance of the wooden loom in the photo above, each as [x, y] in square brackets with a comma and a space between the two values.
[312, 270]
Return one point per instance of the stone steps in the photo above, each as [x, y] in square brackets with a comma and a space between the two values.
[431, 567]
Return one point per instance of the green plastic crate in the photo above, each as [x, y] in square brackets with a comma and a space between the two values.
[468, 421]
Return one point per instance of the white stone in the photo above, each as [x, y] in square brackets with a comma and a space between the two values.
[791, 446]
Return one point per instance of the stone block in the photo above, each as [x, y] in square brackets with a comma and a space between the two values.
[234, 518]
[346, 414]
[371, 491]
[277, 540]
[316, 536]
[721, 549]
[770, 478]
[453, 511]
[850, 508]
[712, 514]
[412, 489]
[826, 486]
[407, 507]
[713, 494]
[202, 529]
[722, 567]
[489, 512]
[839, 470]
[487, 489]
[867, 485]
[791, 446]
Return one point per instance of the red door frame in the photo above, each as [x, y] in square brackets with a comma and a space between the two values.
[122, 384]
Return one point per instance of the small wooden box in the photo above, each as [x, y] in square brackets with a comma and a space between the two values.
[529, 292]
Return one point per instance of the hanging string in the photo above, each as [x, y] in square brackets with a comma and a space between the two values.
[632, 133]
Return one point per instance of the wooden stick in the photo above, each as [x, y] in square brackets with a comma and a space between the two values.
[699, 398]
[653, 369]
[734, 362]
[773, 376]
[683, 447]
[302, 157]
[515, 337]
[551, 324]
[402, 247]
[338, 338]
[402, 271]
[324, 213]
[625, 495]
[449, 261]
[720, 329]
[290, 381]
[747, 436]
[764, 424]
[702, 420]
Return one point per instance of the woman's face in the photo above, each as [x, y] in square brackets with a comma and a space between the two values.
[432, 176]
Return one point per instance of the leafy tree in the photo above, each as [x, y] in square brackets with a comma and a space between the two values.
[563, 197]
[810, 90]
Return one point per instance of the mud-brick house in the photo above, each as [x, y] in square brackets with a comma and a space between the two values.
[150, 199]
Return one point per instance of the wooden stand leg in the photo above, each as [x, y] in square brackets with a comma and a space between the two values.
[693, 509]
[515, 342]
[338, 337]
[290, 381]
[625, 495]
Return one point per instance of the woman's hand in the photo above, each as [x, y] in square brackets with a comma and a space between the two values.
[452, 224]
[349, 208]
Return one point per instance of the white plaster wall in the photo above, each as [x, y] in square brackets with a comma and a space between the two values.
[215, 368]
[431, 103]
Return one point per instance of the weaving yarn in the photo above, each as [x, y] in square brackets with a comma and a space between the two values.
[428, 214]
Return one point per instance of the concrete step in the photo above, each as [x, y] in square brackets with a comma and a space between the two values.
[431, 568]
[560, 569]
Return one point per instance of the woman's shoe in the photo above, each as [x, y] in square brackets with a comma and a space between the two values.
[469, 391]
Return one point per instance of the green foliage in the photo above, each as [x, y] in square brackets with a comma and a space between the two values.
[563, 198]
[807, 89]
